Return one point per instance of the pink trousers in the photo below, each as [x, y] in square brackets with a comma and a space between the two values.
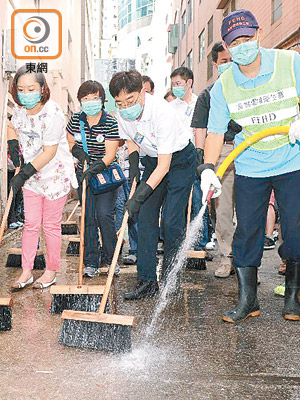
[37, 209]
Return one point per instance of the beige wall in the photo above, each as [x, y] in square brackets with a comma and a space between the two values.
[273, 34]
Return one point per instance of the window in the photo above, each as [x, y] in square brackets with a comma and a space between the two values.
[189, 12]
[189, 60]
[183, 24]
[210, 31]
[210, 70]
[277, 10]
[233, 8]
[201, 45]
[225, 12]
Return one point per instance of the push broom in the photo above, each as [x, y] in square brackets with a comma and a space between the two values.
[100, 331]
[70, 227]
[6, 303]
[80, 297]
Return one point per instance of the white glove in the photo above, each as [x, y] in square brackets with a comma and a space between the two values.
[208, 178]
[294, 132]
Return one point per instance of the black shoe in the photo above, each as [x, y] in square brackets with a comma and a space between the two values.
[269, 243]
[248, 304]
[209, 256]
[291, 310]
[143, 289]
[196, 263]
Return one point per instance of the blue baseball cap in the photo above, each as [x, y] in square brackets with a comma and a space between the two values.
[238, 23]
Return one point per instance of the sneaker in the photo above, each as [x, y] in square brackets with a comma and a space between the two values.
[160, 248]
[280, 290]
[275, 235]
[210, 246]
[90, 272]
[224, 271]
[131, 259]
[14, 225]
[269, 243]
[117, 270]
[20, 223]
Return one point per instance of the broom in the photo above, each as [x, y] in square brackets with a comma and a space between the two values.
[69, 227]
[14, 258]
[196, 258]
[80, 297]
[6, 302]
[100, 331]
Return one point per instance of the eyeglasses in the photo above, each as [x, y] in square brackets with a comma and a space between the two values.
[128, 104]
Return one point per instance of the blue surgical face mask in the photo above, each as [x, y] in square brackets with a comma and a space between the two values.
[131, 113]
[178, 91]
[244, 53]
[29, 100]
[224, 67]
[91, 107]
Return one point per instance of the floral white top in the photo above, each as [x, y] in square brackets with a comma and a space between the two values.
[46, 128]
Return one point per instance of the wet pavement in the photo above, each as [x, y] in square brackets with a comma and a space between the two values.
[192, 355]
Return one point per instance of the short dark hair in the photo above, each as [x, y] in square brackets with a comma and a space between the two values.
[129, 81]
[184, 72]
[39, 77]
[169, 93]
[89, 87]
[217, 48]
[146, 78]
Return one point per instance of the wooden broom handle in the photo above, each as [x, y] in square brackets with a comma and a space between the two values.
[189, 211]
[115, 256]
[82, 226]
[7, 208]
[73, 212]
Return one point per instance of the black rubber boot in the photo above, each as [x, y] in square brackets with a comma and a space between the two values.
[143, 289]
[248, 304]
[291, 310]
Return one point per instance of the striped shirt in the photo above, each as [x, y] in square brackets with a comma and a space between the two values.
[106, 129]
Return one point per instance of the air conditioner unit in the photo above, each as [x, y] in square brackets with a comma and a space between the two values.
[9, 62]
[173, 38]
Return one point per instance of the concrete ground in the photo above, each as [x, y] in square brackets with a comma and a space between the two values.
[192, 355]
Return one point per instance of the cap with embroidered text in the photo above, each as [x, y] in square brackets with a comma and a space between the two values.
[238, 23]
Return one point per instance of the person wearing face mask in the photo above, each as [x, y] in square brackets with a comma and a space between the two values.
[102, 140]
[260, 90]
[37, 143]
[224, 204]
[151, 125]
[182, 80]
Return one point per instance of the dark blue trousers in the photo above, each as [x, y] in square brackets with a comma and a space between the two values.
[174, 189]
[252, 198]
[100, 212]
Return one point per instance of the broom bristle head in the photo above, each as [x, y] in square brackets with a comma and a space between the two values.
[91, 335]
[76, 302]
[73, 249]
[5, 318]
[69, 229]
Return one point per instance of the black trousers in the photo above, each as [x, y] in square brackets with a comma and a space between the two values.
[252, 198]
[174, 189]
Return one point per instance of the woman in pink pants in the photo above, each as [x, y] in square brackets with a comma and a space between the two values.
[37, 131]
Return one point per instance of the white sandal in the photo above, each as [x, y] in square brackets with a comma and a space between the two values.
[21, 285]
[41, 285]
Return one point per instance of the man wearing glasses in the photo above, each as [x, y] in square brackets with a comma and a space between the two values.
[152, 126]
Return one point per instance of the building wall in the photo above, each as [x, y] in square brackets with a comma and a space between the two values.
[284, 33]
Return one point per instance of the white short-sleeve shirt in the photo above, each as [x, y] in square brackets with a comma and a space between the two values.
[159, 131]
[46, 128]
[185, 112]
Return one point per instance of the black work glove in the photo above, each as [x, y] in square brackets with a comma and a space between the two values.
[134, 171]
[96, 168]
[18, 180]
[14, 152]
[200, 156]
[133, 205]
[80, 154]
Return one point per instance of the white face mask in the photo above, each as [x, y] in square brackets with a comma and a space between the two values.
[245, 53]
